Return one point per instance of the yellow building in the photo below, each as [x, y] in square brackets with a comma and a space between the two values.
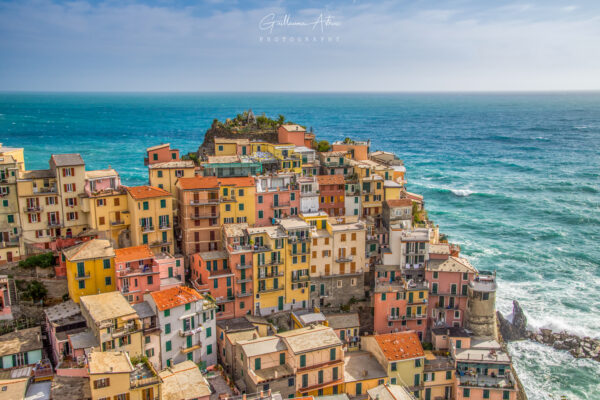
[269, 265]
[362, 372]
[90, 268]
[164, 175]
[289, 160]
[114, 323]
[232, 147]
[113, 376]
[237, 201]
[438, 376]
[105, 203]
[151, 213]
[297, 261]
[11, 162]
[401, 356]
[49, 202]
[372, 192]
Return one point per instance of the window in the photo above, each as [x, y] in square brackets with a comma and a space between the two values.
[394, 367]
[359, 388]
[107, 264]
[486, 393]
[241, 206]
[260, 199]
[281, 358]
[332, 355]
[147, 339]
[393, 381]
[435, 274]
[334, 373]
[168, 328]
[101, 383]
[260, 214]
[448, 375]
[383, 298]
[163, 204]
[107, 281]
[241, 192]
[291, 382]
[208, 332]
[167, 313]
[159, 174]
[188, 306]
[434, 288]
[257, 364]
[320, 376]
[466, 392]
[209, 349]
[81, 284]
[150, 280]
[145, 205]
[417, 379]
[227, 207]
[305, 380]
[486, 296]
[303, 360]
[505, 395]
[418, 362]
[168, 345]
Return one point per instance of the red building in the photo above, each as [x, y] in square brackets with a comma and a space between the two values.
[211, 273]
[331, 194]
[292, 134]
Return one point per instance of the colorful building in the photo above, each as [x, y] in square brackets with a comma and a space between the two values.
[277, 196]
[151, 213]
[237, 196]
[232, 147]
[438, 375]
[362, 372]
[240, 253]
[187, 324]
[309, 194]
[90, 268]
[401, 355]
[11, 163]
[114, 323]
[22, 347]
[293, 134]
[160, 153]
[212, 274]
[331, 194]
[136, 273]
[164, 175]
[359, 150]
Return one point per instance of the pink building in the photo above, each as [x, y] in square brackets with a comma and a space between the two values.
[171, 268]
[101, 180]
[5, 308]
[293, 134]
[136, 272]
[239, 250]
[448, 278]
[61, 321]
[211, 273]
[161, 153]
[277, 196]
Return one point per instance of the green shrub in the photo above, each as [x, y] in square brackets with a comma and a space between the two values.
[45, 260]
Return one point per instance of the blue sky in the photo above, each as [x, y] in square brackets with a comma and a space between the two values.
[415, 45]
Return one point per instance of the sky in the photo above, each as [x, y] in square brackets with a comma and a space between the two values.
[220, 45]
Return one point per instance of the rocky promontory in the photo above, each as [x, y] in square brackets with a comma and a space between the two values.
[578, 347]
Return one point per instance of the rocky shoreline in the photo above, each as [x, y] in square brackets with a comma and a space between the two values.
[577, 346]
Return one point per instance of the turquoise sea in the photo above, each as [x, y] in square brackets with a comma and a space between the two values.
[513, 178]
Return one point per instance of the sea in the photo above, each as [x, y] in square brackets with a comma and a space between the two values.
[513, 178]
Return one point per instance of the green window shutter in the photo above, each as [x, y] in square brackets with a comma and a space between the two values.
[167, 313]
[106, 264]
[163, 203]
[11, 218]
[257, 364]
[168, 345]
[335, 373]
[281, 358]
[302, 360]
[188, 306]
[145, 205]
[332, 354]
[209, 349]
[188, 342]
[168, 328]
[208, 332]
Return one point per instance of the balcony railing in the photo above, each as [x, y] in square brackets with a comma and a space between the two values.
[260, 248]
[160, 243]
[10, 243]
[224, 299]
[124, 330]
[32, 209]
[54, 224]
[295, 239]
[45, 190]
[119, 222]
[270, 275]
[271, 262]
[267, 290]
[137, 383]
[394, 317]
[301, 278]
[190, 332]
[164, 226]
[202, 202]
[79, 277]
[241, 266]
[245, 280]
[244, 294]
[227, 199]
[344, 258]
[148, 228]
[281, 204]
[203, 216]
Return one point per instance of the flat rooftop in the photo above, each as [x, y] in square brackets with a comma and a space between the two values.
[107, 306]
[21, 341]
[183, 381]
[70, 388]
[362, 365]
[310, 338]
[109, 362]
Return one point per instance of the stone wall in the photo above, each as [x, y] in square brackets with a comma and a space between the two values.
[339, 289]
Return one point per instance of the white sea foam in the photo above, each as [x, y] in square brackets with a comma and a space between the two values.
[462, 192]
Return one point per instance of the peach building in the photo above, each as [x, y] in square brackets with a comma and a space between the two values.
[136, 273]
[449, 279]
[232, 147]
[160, 153]
[198, 203]
[331, 196]
[277, 196]
[211, 273]
[358, 150]
[237, 244]
[293, 134]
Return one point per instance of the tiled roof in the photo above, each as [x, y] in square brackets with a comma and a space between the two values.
[95, 248]
[135, 253]
[21, 341]
[198, 182]
[173, 164]
[400, 345]
[243, 181]
[399, 202]
[146, 192]
[107, 306]
[293, 128]
[343, 321]
[174, 297]
[311, 338]
[66, 160]
[330, 179]
[158, 146]
[452, 264]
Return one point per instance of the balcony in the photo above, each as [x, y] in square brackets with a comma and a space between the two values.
[147, 228]
[164, 227]
[301, 278]
[145, 270]
[160, 243]
[123, 330]
[415, 316]
[487, 381]
[196, 217]
[10, 243]
[244, 294]
[228, 199]
[190, 332]
[259, 248]
[270, 275]
[117, 223]
[54, 224]
[268, 290]
[271, 262]
[281, 205]
[224, 299]
[79, 277]
[240, 266]
[45, 190]
[204, 202]
[394, 317]
[32, 209]
[344, 259]
[417, 301]
[245, 280]
[296, 239]
[184, 349]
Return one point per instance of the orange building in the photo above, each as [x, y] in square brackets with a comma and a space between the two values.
[161, 153]
[332, 192]
[293, 134]
[358, 150]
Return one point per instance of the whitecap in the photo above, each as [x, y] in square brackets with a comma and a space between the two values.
[462, 192]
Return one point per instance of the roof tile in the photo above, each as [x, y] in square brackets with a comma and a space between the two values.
[174, 297]
[400, 345]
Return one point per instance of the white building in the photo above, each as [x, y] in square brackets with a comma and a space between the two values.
[352, 199]
[188, 326]
[309, 194]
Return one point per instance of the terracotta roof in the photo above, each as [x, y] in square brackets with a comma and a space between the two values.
[146, 192]
[134, 253]
[174, 297]
[400, 345]
[198, 182]
[158, 146]
[330, 179]
[399, 202]
[243, 181]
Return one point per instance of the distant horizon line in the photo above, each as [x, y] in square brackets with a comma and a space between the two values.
[545, 91]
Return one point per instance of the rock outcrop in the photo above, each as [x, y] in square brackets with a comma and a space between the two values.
[517, 329]
[579, 347]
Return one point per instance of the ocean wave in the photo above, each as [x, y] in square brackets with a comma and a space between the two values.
[462, 192]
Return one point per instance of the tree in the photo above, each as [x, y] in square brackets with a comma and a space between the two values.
[347, 140]
[281, 119]
[35, 291]
[323, 145]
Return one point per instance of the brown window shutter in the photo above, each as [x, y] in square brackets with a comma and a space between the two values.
[64, 172]
[65, 187]
[74, 188]
[29, 217]
[47, 201]
[74, 199]
[72, 171]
